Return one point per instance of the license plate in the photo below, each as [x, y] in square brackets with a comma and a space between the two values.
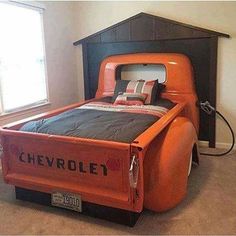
[67, 200]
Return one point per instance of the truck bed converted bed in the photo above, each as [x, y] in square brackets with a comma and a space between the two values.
[101, 120]
[104, 157]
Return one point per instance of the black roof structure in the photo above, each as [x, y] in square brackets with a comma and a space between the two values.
[145, 26]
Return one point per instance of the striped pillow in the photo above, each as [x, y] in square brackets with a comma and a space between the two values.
[130, 99]
[141, 86]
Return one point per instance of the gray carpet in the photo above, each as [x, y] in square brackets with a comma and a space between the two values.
[209, 208]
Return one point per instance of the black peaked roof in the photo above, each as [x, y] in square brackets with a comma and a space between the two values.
[145, 26]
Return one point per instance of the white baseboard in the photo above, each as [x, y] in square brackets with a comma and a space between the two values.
[218, 144]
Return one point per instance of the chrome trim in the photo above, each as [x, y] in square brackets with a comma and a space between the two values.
[1, 150]
[134, 172]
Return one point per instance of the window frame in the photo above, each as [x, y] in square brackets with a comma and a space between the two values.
[40, 9]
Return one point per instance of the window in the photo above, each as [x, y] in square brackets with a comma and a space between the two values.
[22, 58]
[147, 72]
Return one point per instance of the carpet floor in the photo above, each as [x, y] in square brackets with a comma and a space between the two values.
[209, 208]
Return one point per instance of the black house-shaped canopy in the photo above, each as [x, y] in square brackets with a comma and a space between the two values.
[148, 33]
[144, 26]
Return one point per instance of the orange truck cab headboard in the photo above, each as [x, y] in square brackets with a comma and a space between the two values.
[179, 78]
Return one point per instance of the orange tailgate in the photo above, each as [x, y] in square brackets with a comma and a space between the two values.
[97, 170]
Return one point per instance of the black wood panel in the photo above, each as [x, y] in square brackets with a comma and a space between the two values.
[96, 39]
[86, 75]
[166, 30]
[212, 85]
[109, 36]
[123, 32]
[142, 29]
[198, 50]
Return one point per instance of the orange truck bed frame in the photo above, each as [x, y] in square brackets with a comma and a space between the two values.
[114, 180]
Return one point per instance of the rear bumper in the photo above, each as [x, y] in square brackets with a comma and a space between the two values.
[119, 216]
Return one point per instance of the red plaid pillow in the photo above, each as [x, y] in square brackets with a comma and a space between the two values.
[141, 86]
[130, 99]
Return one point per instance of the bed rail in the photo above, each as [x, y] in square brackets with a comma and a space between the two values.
[143, 140]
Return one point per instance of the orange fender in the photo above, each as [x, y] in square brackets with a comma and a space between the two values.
[166, 165]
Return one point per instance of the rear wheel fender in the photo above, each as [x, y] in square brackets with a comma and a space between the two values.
[166, 165]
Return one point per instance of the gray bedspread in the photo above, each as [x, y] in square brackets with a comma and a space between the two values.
[94, 124]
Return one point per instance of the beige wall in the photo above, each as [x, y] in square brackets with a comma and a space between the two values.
[219, 16]
[61, 63]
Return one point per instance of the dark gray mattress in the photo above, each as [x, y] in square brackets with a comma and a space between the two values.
[94, 124]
